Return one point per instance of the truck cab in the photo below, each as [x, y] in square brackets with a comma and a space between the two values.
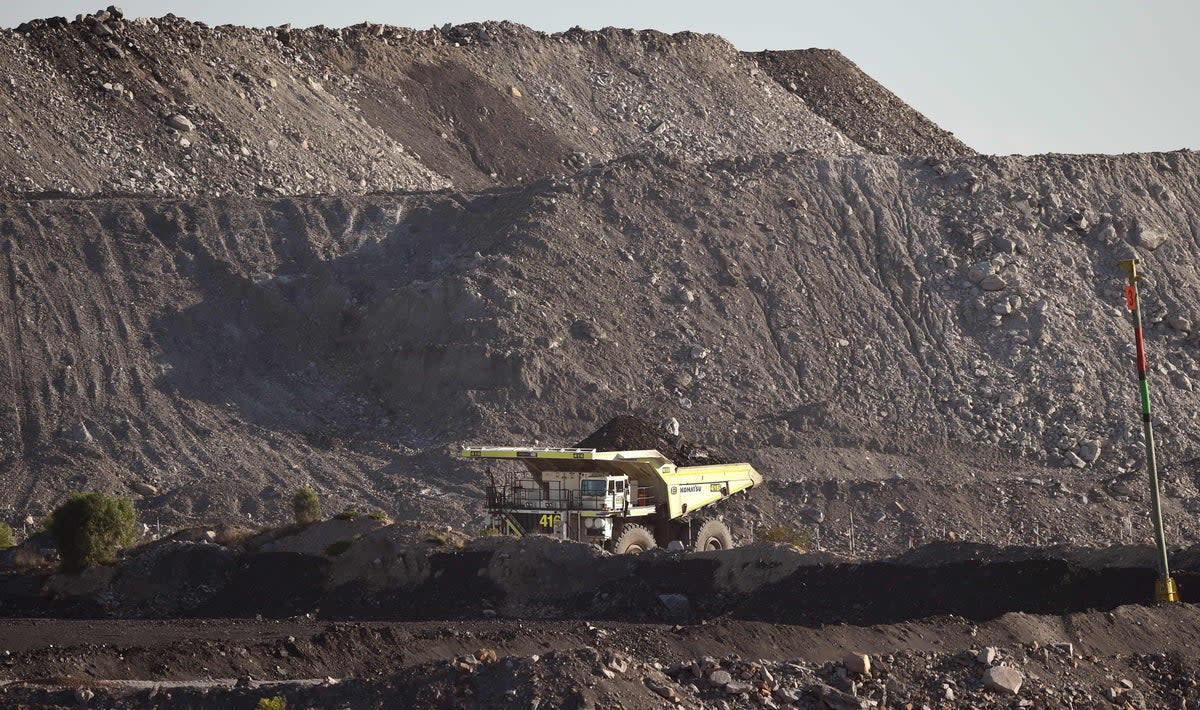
[573, 490]
[604, 494]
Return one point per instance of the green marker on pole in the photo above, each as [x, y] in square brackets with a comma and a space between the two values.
[1164, 589]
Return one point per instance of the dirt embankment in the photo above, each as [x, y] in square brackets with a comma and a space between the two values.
[519, 623]
[366, 569]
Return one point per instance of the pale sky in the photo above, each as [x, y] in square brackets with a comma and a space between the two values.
[1006, 76]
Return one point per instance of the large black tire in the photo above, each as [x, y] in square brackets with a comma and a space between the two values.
[712, 535]
[633, 540]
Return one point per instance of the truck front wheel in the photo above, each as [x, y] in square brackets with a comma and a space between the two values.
[713, 535]
[633, 540]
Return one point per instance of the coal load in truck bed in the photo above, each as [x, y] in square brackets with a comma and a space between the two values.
[629, 433]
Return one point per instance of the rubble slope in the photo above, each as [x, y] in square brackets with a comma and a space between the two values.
[227, 350]
[889, 303]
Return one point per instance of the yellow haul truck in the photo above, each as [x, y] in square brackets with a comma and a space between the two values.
[626, 501]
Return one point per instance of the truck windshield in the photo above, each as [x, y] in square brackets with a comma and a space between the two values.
[593, 486]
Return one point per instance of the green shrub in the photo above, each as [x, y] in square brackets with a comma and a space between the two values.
[347, 514]
[6, 536]
[306, 505]
[489, 532]
[337, 548]
[437, 538]
[787, 535]
[377, 515]
[275, 703]
[90, 527]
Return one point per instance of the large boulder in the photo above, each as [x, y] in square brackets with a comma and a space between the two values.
[1149, 237]
[180, 122]
[1003, 679]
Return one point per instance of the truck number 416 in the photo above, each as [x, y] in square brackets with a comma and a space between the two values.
[550, 520]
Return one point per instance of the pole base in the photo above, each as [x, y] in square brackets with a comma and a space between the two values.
[1165, 590]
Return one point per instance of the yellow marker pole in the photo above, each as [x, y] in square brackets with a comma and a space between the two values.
[1164, 589]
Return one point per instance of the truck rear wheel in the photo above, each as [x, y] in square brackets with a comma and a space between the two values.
[713, 535]
[633, 540]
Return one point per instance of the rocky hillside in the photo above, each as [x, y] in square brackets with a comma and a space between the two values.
[549, 231]
[788, 301]
[895, 301]
[175, 108]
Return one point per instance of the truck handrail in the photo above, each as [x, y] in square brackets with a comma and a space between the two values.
[505, 497]
[535, 452]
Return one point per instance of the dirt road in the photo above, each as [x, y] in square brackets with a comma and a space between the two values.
[194, 649]
[190, 656]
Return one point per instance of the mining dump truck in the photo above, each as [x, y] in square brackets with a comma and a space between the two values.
[625, 501]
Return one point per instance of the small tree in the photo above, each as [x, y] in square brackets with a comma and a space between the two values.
[306, 506]
[90, 527]
[6, 536]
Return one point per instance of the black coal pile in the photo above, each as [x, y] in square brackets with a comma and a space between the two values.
[627, 432]
[864, 110]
